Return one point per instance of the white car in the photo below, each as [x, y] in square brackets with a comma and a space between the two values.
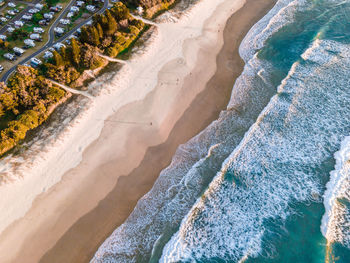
[11, 4]
[1, 68]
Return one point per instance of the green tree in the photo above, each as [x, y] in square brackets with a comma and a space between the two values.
[37, 17]
[19, 33]
[52, 2]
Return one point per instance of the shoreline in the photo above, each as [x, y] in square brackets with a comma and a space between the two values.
[152, 147]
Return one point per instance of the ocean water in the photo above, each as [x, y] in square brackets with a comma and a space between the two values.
[269, 180]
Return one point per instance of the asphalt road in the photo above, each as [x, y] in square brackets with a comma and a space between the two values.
[51, 40]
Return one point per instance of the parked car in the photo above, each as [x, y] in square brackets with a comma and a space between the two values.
[1, 68]
[11, 4]
[35, 62]
[18, 51]
[9, 56]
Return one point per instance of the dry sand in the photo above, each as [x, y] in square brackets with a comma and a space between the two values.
[71, 220]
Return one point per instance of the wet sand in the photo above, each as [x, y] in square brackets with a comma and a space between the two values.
[136, 143]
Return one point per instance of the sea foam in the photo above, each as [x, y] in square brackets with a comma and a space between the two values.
[280, 162]
[159, 213]
[336, 220]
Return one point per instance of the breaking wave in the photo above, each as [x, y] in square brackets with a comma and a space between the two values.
[232, 188]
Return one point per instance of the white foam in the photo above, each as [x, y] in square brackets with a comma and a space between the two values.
[280, 15]
[277, 164]
[337, 217]
[178, 185]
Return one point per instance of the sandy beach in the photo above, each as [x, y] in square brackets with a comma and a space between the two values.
[174, 92]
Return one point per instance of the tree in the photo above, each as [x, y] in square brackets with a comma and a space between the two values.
[120, 11]
[84, 35]
[37, 17]
[4, 44]
[65, 55]
[9, 102]
[112, 25]
[19, 33]
[75, 52]
[57, 58]
[29, 118]
[94, 37]
[89, 35]
[52, 2]
[138, 23]
[99, 30]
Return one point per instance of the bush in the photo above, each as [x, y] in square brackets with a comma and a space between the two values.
[55, 94]
[16, 130]
[134, 30]
[29, 118]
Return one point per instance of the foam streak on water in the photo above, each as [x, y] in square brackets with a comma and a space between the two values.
[230, 190]
[336, 221]
[158, 214]
[279, 163]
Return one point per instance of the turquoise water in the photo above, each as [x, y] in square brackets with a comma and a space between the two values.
[266, 205]
[250, 187]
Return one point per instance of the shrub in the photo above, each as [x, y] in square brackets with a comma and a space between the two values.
[29, 118]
